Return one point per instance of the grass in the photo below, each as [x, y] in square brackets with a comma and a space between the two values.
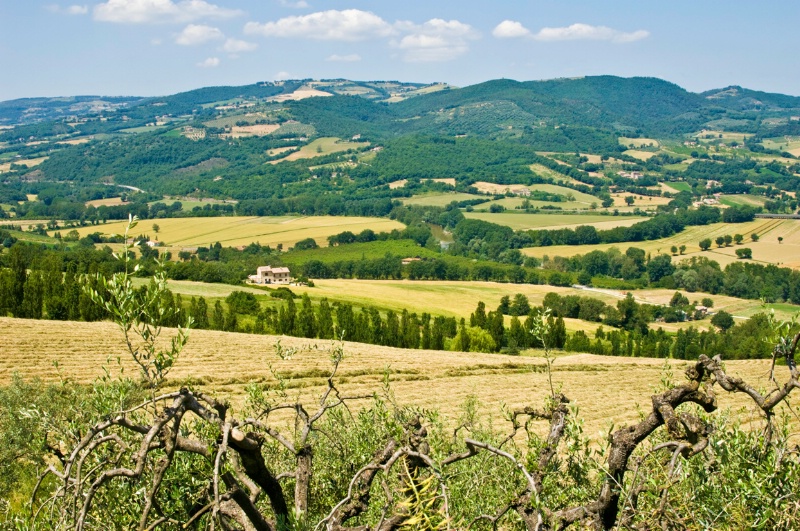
[448, 297]
[766, 250]
[523, 221]
[322, 146]
[743, 199]
[359, 251]
[439, 199]
[237, 230]
[639, 142]
[678, 186]
[638, 154]
[790, 144]
[607, 389]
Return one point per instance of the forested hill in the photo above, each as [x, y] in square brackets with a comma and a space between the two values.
[647, 106]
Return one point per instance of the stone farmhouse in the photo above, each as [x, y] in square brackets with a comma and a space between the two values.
[271, 275]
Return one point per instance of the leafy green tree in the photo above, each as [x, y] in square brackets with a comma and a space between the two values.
[738, 238]
[720, 241]
[722, 320]
[705, 244]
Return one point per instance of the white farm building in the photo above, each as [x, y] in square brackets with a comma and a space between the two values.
[271, 275]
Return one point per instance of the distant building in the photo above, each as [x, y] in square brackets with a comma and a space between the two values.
[271, 275]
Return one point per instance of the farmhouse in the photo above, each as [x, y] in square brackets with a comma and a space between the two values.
[271, 275]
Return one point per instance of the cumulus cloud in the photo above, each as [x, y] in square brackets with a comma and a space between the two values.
[588, 32]
[195, 34]
[510, 29]
[351, 58]
[235, 46]
[159, 11]
[211, 62]
[332, 25]
[435, 40]
[283, 76]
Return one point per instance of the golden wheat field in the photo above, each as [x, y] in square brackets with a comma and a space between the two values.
[241, 230]
[766, 250]
[606, 390]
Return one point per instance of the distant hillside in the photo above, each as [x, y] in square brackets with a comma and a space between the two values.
[31, 110]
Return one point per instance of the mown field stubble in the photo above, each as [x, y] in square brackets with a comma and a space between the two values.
[605, 389]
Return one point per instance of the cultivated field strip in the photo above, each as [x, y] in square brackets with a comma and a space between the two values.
[605, 389]
[243, 230]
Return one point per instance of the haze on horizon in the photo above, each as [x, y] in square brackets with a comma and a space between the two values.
[157, 47]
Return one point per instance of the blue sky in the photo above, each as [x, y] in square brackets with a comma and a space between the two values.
[155, 47]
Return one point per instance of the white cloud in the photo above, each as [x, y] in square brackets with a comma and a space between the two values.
[235, 46]
[195, 34]
[435, 40]
[510, 29]
[156, 41]
[71, 10]
[351, 58]
[348, 25]
[299, 4]
[159, 11]
[283, 76]
[211, 62]
[588, 32]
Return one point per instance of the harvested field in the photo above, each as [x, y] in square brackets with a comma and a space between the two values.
[639, 142]
[322, 146]
[240, 131]
[439, 199]
[606, 389]
[766, 250]
[110, 201]
[638, 154]
[301, 94]
[238, 230]
[523, 221]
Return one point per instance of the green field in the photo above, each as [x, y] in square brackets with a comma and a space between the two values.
[439, 199]
[523, 221]
[743, 199]
[680, 186]
[359, 251]
[237, 230]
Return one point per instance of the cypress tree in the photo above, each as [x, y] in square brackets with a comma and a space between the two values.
[325, 320]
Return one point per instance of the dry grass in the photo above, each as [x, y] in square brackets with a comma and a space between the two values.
[766, 250]
[301, 94]
[240, 131]
[110, 201]
[75, 141]
[523, 221]
[645, 202]
[238, 230]
[607, 390]
[639, 142]
[638, 154]
[439, 199]
[320, 147]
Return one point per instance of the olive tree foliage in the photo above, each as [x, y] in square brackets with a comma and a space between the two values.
[183, 459]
